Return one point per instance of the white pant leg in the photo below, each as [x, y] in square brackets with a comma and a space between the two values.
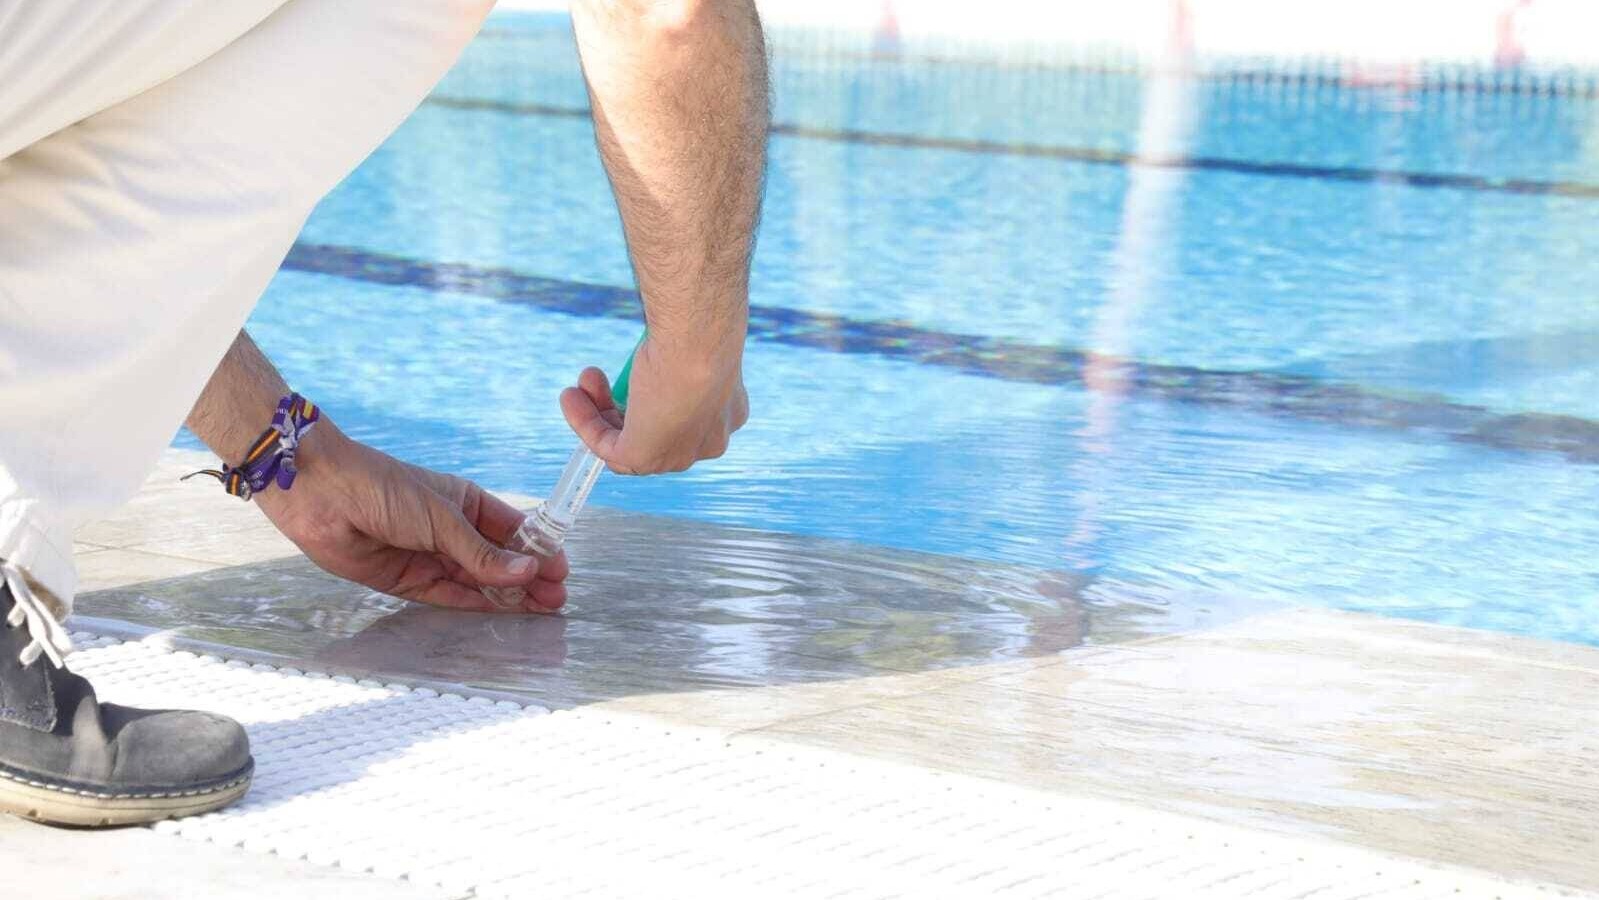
[62, 61]
[133, 244]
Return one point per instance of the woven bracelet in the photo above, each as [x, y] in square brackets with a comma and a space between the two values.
[271, 457]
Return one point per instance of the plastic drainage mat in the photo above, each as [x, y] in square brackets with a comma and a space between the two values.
[494, 799]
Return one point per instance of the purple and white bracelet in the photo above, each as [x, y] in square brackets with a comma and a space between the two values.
[271, 457]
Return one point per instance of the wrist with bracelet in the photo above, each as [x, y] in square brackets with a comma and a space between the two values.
[271, 458]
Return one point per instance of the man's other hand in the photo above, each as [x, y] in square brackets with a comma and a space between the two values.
[405, 530]
[683, 406]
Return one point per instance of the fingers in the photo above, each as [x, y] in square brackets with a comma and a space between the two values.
[741, 409]
[542, 596]
[545, 596]
[471, 558]
[598, 387]
[598, 432]
[425, 577]
[496, 519]
[481, 559]
[676, 424]
[556, 568]
[453, 595]
[493, 518]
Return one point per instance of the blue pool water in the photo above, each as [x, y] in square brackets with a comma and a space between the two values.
[1356, 332]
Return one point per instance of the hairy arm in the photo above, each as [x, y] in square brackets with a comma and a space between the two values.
[238, 401]
[679, 93]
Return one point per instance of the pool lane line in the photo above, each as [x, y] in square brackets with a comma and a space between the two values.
[1278, 395]
[1422, 79]
[1098, 156]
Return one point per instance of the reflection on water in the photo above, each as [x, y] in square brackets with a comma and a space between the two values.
[659, 605]
[1143, 246]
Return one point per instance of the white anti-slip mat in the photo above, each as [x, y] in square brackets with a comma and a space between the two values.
[502, 800]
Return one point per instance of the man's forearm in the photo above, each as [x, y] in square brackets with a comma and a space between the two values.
[238, 401]
[679, 94]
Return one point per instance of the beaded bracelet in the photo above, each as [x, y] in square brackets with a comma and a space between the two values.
[271, 457]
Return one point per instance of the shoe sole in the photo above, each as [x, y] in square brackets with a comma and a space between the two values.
[57, 805]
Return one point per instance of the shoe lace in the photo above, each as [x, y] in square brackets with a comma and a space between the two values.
[48, 637]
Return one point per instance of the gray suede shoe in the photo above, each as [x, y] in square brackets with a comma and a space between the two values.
[67, 759]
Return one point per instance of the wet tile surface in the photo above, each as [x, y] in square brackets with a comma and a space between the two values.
[1457, 746]
[626, 631]
[658, 605]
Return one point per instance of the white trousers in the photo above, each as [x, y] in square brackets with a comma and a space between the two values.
[157, 160]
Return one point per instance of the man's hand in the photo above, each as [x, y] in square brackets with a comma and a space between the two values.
[368, 517]
[682, 408]
[405, 530]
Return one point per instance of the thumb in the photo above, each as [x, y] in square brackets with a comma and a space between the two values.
[487, 563]
[598, 431]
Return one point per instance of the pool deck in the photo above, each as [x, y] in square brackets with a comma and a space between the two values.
[1445, 748]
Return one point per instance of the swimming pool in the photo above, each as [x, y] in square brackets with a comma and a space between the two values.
[1268, 337]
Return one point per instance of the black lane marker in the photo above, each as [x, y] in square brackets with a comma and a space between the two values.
[1512, 81]
[1096, 156]
[1265, 393]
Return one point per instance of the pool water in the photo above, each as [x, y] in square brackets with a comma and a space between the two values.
[1339, 347]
